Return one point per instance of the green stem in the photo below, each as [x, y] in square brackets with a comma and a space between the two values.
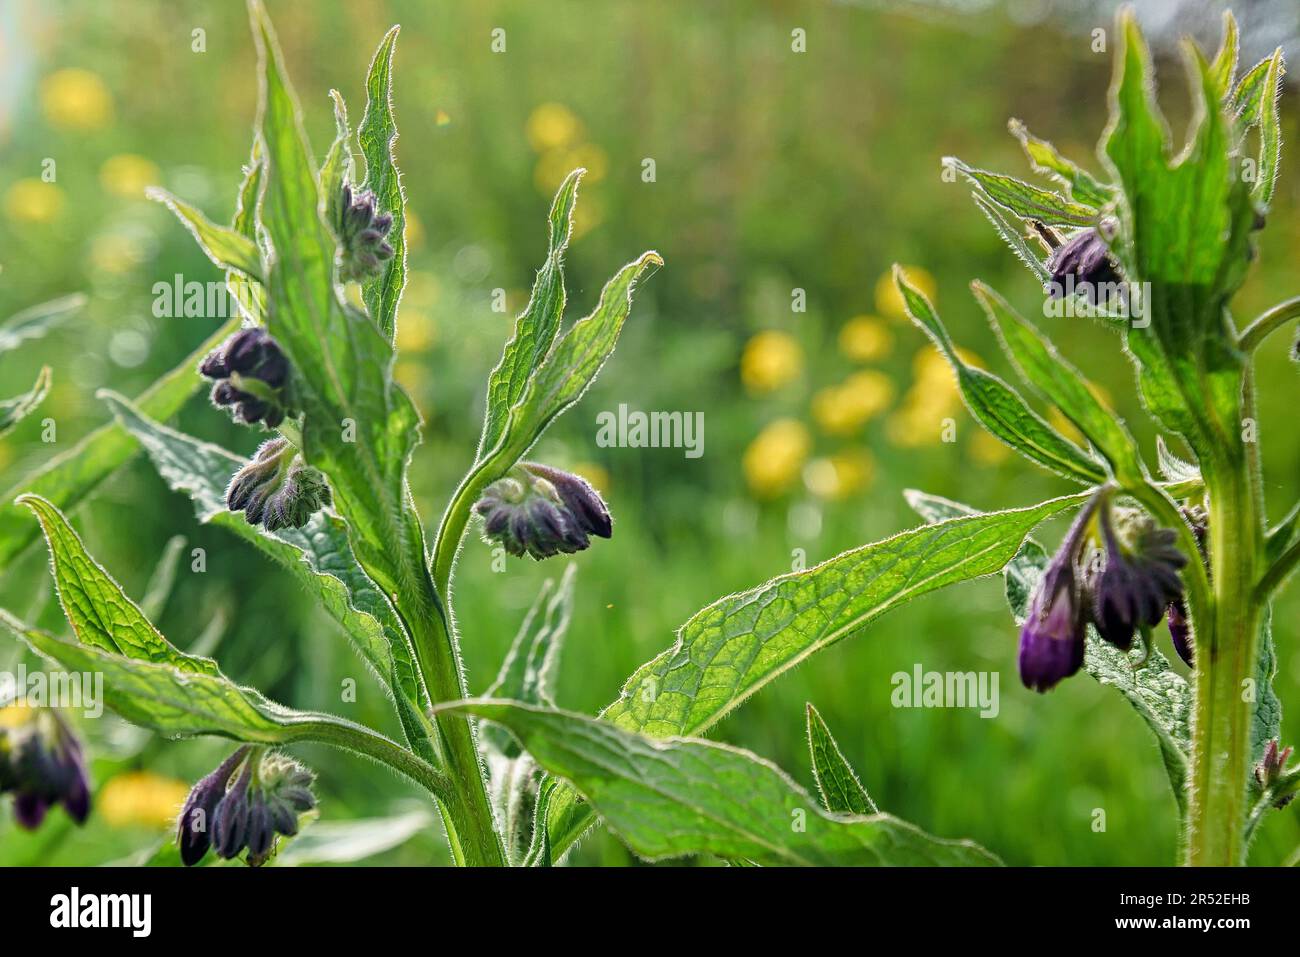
[327, 729]
[1227, 646]
[1278, 571]
[1267, 323]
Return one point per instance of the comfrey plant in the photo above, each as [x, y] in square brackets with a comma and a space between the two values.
[326, 495]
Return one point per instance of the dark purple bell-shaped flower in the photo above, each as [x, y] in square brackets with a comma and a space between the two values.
[42, 763]
[276, 489]
[542, 511]
[1052, 636]
[194, 828]
[1180, 630]
[1083, 263]
[251, 373]
[1135, 585]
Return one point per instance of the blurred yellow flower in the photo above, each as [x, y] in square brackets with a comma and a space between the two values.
[593, 159]
[116, 253]
[865, 339]
[33, 201]
[413, 232]
[127, 175]
[415, 331]
[841, 475]
[1056, 418]
[75, 99]
[141, 798]
[986, 450]
[15, 715]
[552, 125]
[773, 460]
[771, 359]
[413, 376]
[594, 473]
[889, 302]
[845, 408]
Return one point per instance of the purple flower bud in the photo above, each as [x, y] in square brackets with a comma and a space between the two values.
[1134, 586]
[1180, 630]
[542, 511]
[361, 229]
[193, 829]
[251, 373]
[1271, 768]
[230, 818]
[1052, 637]
[41, 761]
[277, 489]
[1083, 262]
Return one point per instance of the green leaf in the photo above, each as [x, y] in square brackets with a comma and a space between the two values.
[1044, 158]
[1044, 368]
[1013, 238]
[671, 798]
[526, 675]
[739, 644]
[226, 247]
[36, 321]
[537, 326]
[1224, 66]
[359, 426]
[1270, 130]
[337, 167]
[1025, 200]
[317, 555]
[1266, 716]
[1173, 468]
[13, 411]
[1253, 91]
[841, 791]
[68, 479]
[378, 137]
[997, 406]
[350, 842]
[163, 578]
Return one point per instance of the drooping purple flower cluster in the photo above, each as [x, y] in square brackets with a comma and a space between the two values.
[242, 806]
[1083, 265]
[41, 762]
[277, 489]
[542, 511]
[1129, 582]
[251, 374]
[361, 228]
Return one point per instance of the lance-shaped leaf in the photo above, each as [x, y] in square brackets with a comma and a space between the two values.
[997, 406]
[1266, 716]
[317, 555]
[539, 323]
[337, 166]
[1081, 185]
[1255, 89]
[36, 321]
[739, 644]
[226, 247]
[14, 410]
[1044, 368]
[671, 798]
[1186, 226]
[378, 138]
[526, 675]
[1156, 691]
[1224, 66]
[841, 791]
[1270, 130]
[359, 427]
[1025, 200]
[68, 479]
[1014, 238]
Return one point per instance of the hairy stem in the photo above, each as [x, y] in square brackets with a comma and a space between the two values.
[362, 740]
[1227, 646]
[1267, 323]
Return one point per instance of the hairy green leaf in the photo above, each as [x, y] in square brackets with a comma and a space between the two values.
[687, 796]
[740, 643]
[378, 138]
[36, 321]
[1270, 130]
[997, 406]
[1025, 200]
[841, 791]
[337, 167]
[1013, 238]
[1080, 185]
[14, 410]
[1224, 67]
[226, 247]
[317, 555]
[1266, 716]
[1044, 368]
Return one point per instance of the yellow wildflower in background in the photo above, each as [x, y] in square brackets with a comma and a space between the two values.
[771, 359]
[15, 715]
[33, 201]
[594, 473]
[127, 175]
[846, 408]
[841, 475]
[889, 301]
[987, 450]
[552, 125]
[76, 99]
[141, 798]
[773, 460]
[865, 339]
[933, 397]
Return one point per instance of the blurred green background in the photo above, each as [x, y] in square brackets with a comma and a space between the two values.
[774, 171]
